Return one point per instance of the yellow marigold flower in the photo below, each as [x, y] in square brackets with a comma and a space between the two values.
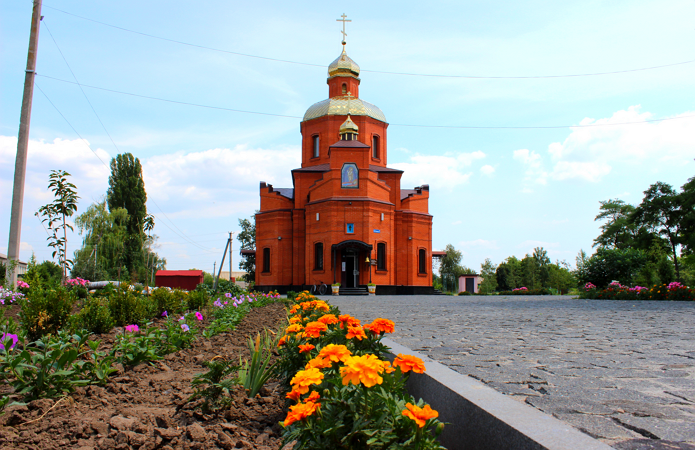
[300, 411]
[318, 363]
[365, 369]
[408, 363]
[294, 328]
[419, 415]
[314, 329]
[335, 353]
[356, 332]
[306, 348]
[305, 378]
[321, 305]
[328, 319]
[379, 325]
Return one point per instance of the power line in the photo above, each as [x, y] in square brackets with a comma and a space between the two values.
[410, 74]
[80, 86]
[105, 165]
[472, 127]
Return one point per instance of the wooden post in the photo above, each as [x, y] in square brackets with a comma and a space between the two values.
[20, 167]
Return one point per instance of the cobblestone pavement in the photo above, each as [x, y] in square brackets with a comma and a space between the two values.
[620, 371]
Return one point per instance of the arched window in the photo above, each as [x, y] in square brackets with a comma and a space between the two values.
[344, 89]
[266, 259]
[318, 256]
[380, 256]
[315, 141]
[422, 263]
[375, 147]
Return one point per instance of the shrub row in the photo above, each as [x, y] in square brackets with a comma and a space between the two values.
[524, 291]
[615, 291]
[344, 393]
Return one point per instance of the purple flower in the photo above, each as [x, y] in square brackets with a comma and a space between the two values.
[185, 327]
[132, 328]
[198, 315]
[181, 319]
[165, 314]
[228, 295]
[6, 336]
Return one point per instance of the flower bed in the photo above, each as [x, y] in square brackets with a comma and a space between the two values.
[526, 291]
[344, 393]
[616, 291]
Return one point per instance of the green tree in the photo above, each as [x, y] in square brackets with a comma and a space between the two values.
[662, 211]
[488, 272]
[687, 201]
[613, 264]
[509, 274]
[560, 277]
[55, 214]
[247, 238]
[127, 190]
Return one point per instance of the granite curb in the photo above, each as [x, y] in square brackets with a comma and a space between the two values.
[480, 418]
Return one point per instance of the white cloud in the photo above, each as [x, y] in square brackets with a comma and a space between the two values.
[487, 169]
[441, 172]
[591, 153]
[457, 222]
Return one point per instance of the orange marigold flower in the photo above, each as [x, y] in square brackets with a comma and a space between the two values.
[313, 397]
[335, 353]
[300, 411]
[365, 369]
[379, 325]
[306, 348]
[328, 319]
[293, 395]
[408, 363]
[294, 328]
[305, 378]
[387, 367]
[295, 319]
[294, 309]
[314, 329]
[356, 332]
[419, 415]
[318, 363]
[282, 341]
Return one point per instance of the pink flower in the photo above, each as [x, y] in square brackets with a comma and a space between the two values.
[185, 327]
[132, 328]
[198, 315]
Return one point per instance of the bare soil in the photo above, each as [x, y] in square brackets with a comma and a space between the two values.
[144, 407]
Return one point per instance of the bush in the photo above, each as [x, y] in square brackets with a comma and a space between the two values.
[523, 291]
[615, 291]
[94, 317]
[45, 311]
[173, 302]
[128, 307]
[464, 293]
[198, 299]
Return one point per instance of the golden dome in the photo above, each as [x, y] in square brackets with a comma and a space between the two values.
[349, 127]
[342, 106]
[343, 66]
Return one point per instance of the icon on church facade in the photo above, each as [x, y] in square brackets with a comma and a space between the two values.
[350, 176]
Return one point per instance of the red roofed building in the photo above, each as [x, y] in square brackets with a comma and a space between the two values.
[182, 279]
[346, 219]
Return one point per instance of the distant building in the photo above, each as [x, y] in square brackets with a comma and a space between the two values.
[346, 219]
[182, 279]
[21, 266]
[470, 283]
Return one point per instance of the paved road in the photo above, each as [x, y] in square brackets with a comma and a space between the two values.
[621, 371]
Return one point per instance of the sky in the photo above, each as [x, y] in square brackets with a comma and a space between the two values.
[512, 111]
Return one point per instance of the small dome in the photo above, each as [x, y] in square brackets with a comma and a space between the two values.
[349, 127]
[343, 66]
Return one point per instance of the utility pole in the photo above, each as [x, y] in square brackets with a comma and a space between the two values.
[20, 167]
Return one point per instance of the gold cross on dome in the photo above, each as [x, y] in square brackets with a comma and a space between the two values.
[344, 19]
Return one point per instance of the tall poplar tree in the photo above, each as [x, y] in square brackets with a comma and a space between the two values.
[127, 190]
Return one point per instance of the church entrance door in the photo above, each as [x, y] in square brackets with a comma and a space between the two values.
[351, 269]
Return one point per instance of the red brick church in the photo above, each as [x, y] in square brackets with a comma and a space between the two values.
[346, 219]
